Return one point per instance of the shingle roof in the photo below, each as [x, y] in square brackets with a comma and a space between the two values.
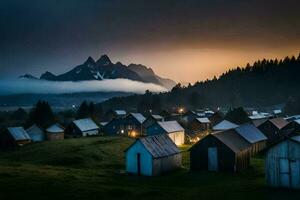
[171, 126]
[18, 133]
[224, 125]
[55, 128]
[258, 122]
[86, 124]
[279, 122]
[203, 120]
[159, 146]
[139, 117]
[232, 140]
[250, 133]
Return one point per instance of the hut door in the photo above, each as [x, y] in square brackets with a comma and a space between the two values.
[284, 172]
[212, 159]
[138, 161]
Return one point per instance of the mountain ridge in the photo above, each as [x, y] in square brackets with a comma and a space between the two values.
[104, 68]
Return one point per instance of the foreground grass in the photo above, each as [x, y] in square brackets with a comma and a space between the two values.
[87, 168]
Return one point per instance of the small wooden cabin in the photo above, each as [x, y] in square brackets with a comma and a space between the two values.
[171, 128]
[152, 156]
[133, 124]
[271, 128]
[13, 137]
[224, 125]
[200, 124]
[151, 120]
[254, 136]
[36, 133]
[189, 116]
[216, 118]
[55, 132]
[282, 163]
[84, 127]
[220, 151]
[115, 114]
[115, 127]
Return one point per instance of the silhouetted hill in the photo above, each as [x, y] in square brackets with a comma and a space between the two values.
[266, 82]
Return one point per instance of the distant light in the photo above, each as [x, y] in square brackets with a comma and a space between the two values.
[181, 110]
[73, 106]
[122, 131]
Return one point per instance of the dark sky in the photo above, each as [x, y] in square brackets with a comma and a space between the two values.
[184, 40]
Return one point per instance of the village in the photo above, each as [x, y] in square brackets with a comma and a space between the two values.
[214, 142]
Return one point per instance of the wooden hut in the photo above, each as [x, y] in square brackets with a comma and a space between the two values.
[84, 127]
[36, 133]
[271, 128]
[151, 120]
[152, 156]
[224, 125]
[282, 163]
[55, 132]
[115, 114]
[171, 128]
[115, 127]
[220, 151]
[13, 137]
[254, 136]
[133, 124]
[200, 124]
[216, 118]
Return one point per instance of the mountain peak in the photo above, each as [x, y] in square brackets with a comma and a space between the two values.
[90, 60]
[104, 60]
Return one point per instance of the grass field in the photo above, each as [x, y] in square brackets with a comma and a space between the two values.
[87, 168]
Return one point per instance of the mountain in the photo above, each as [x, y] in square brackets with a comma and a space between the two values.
[103, 68]
[264, 83]
[28, 76]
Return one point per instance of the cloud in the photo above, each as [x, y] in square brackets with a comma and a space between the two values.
[21, 86]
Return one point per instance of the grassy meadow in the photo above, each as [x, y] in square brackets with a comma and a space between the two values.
[88, 168]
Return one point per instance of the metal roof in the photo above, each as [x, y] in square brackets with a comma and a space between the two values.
[34, 130]
[171, 126]
[296, 138]
[86, 124]
[55, 128]
[232, 140]
[18, 133]
[224, 125]
[203, 120]
[157, 117]
[250, 133]
[120, 112]
[279, 122]
[139, 117]
[159, 145]
[103, 123]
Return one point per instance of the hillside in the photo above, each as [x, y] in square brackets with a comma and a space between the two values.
[86, 168]
[265, 83]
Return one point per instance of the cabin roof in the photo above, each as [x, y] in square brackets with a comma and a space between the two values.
[157, 117]
[279, 122]
[120, 112]
[139, 117]
[171, 126]
[224, 125]
[159, 145]
[258, 122]
[103, 123]
[232, 140]
[86, 124]
[55, 128]
[18, 133]
[34, 130]
[203, 120]
[250, 133]
[296, 138]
